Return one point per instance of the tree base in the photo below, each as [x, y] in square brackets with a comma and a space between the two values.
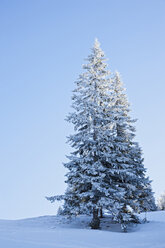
[124, 227]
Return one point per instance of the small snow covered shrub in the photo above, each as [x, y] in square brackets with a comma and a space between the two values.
[161, 202]
[60, 211]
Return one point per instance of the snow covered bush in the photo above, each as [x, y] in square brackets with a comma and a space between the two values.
[161, 202]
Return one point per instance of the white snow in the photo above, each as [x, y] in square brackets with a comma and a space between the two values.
[57, 232]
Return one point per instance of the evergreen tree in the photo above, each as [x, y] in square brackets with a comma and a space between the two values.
[128, 161]
[106, 170]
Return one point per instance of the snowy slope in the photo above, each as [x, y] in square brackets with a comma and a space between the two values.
[56, 232]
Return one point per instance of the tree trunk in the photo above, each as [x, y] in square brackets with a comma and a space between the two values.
[95, 223]
[101, 213]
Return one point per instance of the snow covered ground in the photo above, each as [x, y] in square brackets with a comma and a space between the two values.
[56, 232]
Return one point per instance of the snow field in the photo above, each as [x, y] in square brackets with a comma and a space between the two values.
[58, 232]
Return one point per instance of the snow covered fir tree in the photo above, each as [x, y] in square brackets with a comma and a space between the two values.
[105, 170]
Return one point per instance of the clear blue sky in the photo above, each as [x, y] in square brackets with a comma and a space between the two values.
[42, 47]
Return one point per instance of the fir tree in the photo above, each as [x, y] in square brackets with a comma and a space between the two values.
[128, 161]
[106, 170]
[87, 191]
